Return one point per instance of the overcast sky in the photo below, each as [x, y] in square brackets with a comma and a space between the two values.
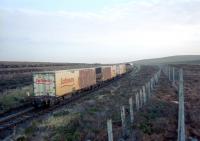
[104, 31]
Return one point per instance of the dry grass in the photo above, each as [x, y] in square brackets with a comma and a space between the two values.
[86, 118]
[14, 98]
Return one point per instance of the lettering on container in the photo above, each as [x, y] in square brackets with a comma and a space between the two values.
[67, 82]
[43, 81]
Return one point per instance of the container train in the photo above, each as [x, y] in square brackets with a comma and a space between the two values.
[50, 87]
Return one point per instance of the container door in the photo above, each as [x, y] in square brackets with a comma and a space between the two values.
[44, 84]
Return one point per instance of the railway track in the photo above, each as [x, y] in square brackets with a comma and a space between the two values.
[11, 120]
[15, 118]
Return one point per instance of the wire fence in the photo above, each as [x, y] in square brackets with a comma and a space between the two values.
[141, 99]
[175, 76]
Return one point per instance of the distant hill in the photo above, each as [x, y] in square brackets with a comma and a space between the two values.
[182, 59]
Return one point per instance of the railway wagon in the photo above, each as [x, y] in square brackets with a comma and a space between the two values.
[49, 86]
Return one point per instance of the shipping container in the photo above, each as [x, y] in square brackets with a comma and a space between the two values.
[44, 84]
[118, 70]
[59, 83]
[87, 78]
[67, 81]
[113, 71]
[106, 73]
[123, 68]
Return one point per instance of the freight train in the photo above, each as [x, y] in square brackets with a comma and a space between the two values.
[50, 87]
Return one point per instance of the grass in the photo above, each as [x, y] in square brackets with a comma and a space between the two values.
[154, 112]
[62, 126]
[14, 98]
[87, 119]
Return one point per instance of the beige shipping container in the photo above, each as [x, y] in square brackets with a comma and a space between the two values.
[118, 69]
[106, 73]
[87, 77]
[122, 68]
[59, 83]
[113, 71]
[67, 81]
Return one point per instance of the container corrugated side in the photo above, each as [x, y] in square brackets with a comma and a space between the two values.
[118, 69]
[44, 84]
[67, 81]
[106, 73]
[113, 71]
[87, 78]
[122, 68]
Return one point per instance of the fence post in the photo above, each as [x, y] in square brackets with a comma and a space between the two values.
[141, 99]
[27, 93]
[181, 114]
[123, 118]
[173, 77]
[137, 102]
[109, 128]
[131, 109]
[149, 89]
[144, 94]
[156, 79]
[169, 74]
[151, 84]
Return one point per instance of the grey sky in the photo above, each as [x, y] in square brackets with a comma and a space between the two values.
[107, 33]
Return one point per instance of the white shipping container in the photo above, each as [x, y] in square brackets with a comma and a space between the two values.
[44, 84]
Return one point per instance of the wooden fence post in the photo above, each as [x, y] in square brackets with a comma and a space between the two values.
[141, 99]
[27, 93]
[109, 128]
[144, 94]
[181, 114]
[149, 89]
[173, 77]
[123, 118]
[137, 102]
[151, 83]
[131, 109]
[169, 74]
